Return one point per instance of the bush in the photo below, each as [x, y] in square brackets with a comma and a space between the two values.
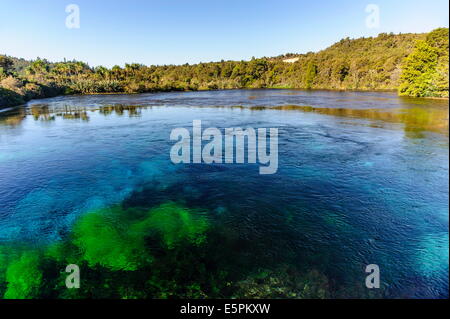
[13, 84]
[33, 91]
[10, 98]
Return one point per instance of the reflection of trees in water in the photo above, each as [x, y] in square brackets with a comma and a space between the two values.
[415, 119]
[44, 113]
[74, 115]
[120, 109]
[13, 117]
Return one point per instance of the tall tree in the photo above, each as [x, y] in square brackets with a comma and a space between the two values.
[6, 65]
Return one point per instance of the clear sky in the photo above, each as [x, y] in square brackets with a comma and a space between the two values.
[190, 31]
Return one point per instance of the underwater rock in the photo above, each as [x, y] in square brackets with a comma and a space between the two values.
[284, 282]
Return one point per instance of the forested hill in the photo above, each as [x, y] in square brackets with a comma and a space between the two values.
[359, 64]
[413, 64]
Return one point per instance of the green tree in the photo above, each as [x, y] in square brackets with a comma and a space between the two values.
[311, 72]
[425, 70]
[6, 65]
[38, 67]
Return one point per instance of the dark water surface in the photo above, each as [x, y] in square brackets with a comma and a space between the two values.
[362, 179]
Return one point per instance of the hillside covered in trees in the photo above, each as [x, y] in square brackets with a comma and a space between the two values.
[414, 64]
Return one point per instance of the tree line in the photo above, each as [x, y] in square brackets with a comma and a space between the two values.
[414, 64]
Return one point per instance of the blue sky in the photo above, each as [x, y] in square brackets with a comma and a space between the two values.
[181, 31]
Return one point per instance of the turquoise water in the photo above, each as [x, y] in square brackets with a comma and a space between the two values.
[362, 179]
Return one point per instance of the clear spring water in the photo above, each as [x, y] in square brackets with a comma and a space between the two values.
[362, 179]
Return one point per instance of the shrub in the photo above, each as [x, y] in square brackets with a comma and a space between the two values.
[13, 84]
[10, 98]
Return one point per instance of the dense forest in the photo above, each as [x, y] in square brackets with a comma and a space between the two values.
[414, 64]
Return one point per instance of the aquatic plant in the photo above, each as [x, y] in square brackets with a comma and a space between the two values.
[3, 266]
[23, 276]
[111, 246]
[115, 237]
[104, 242]
[175, 224]
[63, 252]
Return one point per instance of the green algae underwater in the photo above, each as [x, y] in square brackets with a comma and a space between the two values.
[136, 253]
[109, 241]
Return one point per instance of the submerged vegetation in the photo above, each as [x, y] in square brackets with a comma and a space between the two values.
[168, 251]
[110, 242]
[23, 276]
[165, 252]
[415, 64]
